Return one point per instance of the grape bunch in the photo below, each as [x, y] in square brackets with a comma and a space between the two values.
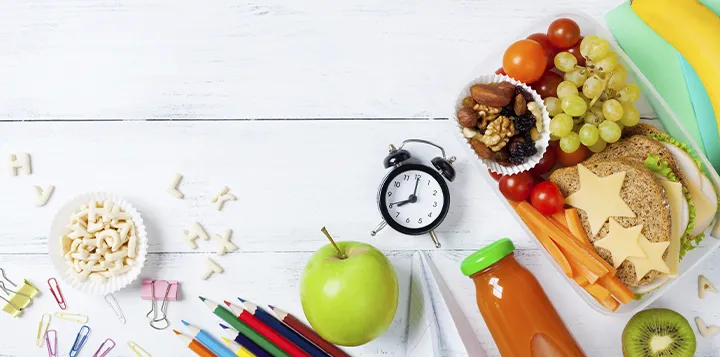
[593, 102]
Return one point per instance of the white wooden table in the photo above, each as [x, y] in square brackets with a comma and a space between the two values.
[290, 103]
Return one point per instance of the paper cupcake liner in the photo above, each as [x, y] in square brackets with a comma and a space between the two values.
[68, 275]
[541, 144]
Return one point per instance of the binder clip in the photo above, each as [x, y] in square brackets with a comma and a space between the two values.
[154, 290]
[18, 297]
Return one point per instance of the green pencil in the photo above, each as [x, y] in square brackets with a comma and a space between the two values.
[244, 329]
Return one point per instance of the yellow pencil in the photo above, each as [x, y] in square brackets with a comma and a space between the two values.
[237, 349]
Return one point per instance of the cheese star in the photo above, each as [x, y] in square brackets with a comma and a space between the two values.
[622, 242]
[653, 260]
[599, 197]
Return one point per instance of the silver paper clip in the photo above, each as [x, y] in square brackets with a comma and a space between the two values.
[80, 340]
[163, 308]
[110, 299]
[57, 293]
[2, 272]
[137, 349]
[103, 350]
[51, 346]
[42, 329]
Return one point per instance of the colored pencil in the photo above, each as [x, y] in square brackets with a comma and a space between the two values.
[242, 340]
[266, 331]
[278, 326]
[206, 339]
[244, 329]
[311, 335]
[238, 350]
[195, 345]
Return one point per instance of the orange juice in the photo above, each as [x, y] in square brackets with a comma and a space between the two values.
[521, 318]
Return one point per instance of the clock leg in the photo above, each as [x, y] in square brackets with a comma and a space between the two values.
[380, 226]
[435, 239]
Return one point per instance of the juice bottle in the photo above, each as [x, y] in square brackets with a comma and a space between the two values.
[521, 318]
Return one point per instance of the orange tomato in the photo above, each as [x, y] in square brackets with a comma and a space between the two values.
[573, 158]
[525, 60]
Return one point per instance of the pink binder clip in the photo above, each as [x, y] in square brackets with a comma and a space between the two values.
[55, 290]
[160, 289]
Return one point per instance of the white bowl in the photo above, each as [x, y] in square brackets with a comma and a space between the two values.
[67, 274]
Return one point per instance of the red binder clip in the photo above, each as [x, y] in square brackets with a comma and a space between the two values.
[53, 284]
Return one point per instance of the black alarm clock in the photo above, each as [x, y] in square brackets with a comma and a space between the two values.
[414, 198]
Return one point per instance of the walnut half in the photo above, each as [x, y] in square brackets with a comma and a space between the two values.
[486, 114]
[498, 133]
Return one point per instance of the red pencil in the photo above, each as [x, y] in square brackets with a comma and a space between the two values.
[308, 333]
[272, 335]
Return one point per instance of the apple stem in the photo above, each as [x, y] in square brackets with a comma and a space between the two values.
[341, 255]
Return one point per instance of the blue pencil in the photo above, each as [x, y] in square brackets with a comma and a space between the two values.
[242, 340]
[282, 329]
[208, 341]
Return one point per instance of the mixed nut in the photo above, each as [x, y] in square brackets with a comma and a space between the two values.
[501, 121]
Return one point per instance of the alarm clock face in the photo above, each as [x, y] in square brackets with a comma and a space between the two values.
[414, 199]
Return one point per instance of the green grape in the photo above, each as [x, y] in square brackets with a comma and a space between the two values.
[598, 49]
[613, 110]
[588, 134]
[592, 118]
[566, 89]
[574, 105]
[578, 76]
[565, 61]
[617, 78]
[570, 142]
[597, 110]
[553, 106]
[608, 63]
[609, 131]
[561, 125]
[586, 43]
[631, 116]
[593, 87]
[600, 145]
[629, 94]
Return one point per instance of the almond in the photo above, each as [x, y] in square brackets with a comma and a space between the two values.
[493, 94]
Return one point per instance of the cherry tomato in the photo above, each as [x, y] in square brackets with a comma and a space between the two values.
[550, 51]
[500, 71]
[547, 85]
[547, 198]
[575, 51]
[525, 61]
[572, 158]
[517, 187]
[546, 163]
[495, 176]
[563, 33]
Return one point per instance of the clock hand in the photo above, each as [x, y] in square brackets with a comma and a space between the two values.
[416, 186]
[400, 203]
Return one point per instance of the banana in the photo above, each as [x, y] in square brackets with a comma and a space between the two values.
[694, 30]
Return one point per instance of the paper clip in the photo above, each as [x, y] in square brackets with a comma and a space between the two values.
[51, 346]
[80, 340]
[110, 299]
[69, 316]
[137, 349]
[42, 329]
[2, 271]
[57, 293]
[106, 348]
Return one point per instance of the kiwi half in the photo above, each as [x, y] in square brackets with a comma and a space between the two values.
[658, 333]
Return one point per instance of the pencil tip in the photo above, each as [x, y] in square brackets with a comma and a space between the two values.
[184, 322]
[241, 300]
[224, 327]
[227, 302]
[271, 307]
[225, 340]
[177, 332]
[201, 298]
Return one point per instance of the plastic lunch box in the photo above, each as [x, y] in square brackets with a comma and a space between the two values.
[650, 103]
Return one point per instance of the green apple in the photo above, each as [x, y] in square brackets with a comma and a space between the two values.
[349, 293]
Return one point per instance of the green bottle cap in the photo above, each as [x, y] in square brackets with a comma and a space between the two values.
[487, 256]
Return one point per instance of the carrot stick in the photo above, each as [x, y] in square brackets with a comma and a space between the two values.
[584, 254]
[553, 249]
[580, 280]
[559, 217]
[580, 270]
[598, 291]
[619, 290]
[575, 226]
[609, 303]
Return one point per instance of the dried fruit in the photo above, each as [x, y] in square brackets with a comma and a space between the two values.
[502, 157]
[523, 124]
[493, 94]
[467, 117]
[481, 149]
[527, 96]
[520, 106]
[520, 150]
